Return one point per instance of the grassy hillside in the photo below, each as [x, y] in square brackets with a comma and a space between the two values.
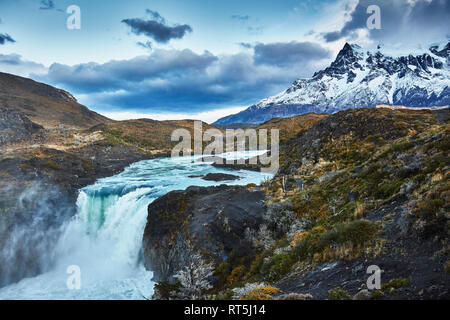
[150, 135]
[361, 187]
[290, 127]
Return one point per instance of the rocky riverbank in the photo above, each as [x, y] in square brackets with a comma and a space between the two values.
[374, 192]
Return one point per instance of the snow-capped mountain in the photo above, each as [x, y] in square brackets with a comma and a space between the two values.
[359, 78]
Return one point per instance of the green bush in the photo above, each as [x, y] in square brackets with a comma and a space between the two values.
[357, 232]
[164, 290]
[394, 284]
[222, 271]
[280, 265]
[447, 267]
[339, 294]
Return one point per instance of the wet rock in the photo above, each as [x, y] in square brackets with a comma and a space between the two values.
[220, 177]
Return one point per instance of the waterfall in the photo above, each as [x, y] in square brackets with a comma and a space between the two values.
[104, 238]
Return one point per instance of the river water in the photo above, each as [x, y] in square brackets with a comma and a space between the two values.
[104, 238]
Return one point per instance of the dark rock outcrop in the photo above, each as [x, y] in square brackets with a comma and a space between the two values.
[209, 220]
[220, 177]
[16, 127]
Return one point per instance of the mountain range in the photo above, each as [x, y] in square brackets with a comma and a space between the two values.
[359, 78]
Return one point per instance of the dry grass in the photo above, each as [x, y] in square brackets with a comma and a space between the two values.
[359, 211]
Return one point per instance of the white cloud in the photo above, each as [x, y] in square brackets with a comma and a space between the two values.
[207, 116]
[15, 64]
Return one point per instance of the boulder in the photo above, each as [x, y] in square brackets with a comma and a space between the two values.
[363, 295]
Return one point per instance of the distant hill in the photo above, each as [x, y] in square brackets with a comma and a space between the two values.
[45, 105]
[147, 133]
[233, 126]
[36, 113]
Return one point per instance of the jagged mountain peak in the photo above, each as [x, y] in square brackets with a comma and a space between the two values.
[444, 52]
[361, 78]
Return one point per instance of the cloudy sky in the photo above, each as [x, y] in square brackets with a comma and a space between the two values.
[173, 59]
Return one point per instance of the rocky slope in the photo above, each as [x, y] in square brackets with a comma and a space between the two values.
[359, 78]
[45, 105]
[16, 127]
[357, 188]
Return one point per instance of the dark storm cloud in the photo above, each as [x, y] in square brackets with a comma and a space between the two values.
[47, 5]
[185, 81]
[117, 74]
[156, 16]
[288, 53]
[401, 20]
[6, 38]
[157, 28]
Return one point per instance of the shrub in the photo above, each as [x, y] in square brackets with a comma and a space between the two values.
[236, 274]
[279, 218]
[255, 267]
[359, 211]
[297, 237]
[261, 293]
[377, 294]
[394, 284]
[165, 291]
[222, 272]
[387, 189]
[428, 207]
[52, 165]
[447, 267]
[356, 232]
[239, 292]
[339, 294]
[389, 287]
